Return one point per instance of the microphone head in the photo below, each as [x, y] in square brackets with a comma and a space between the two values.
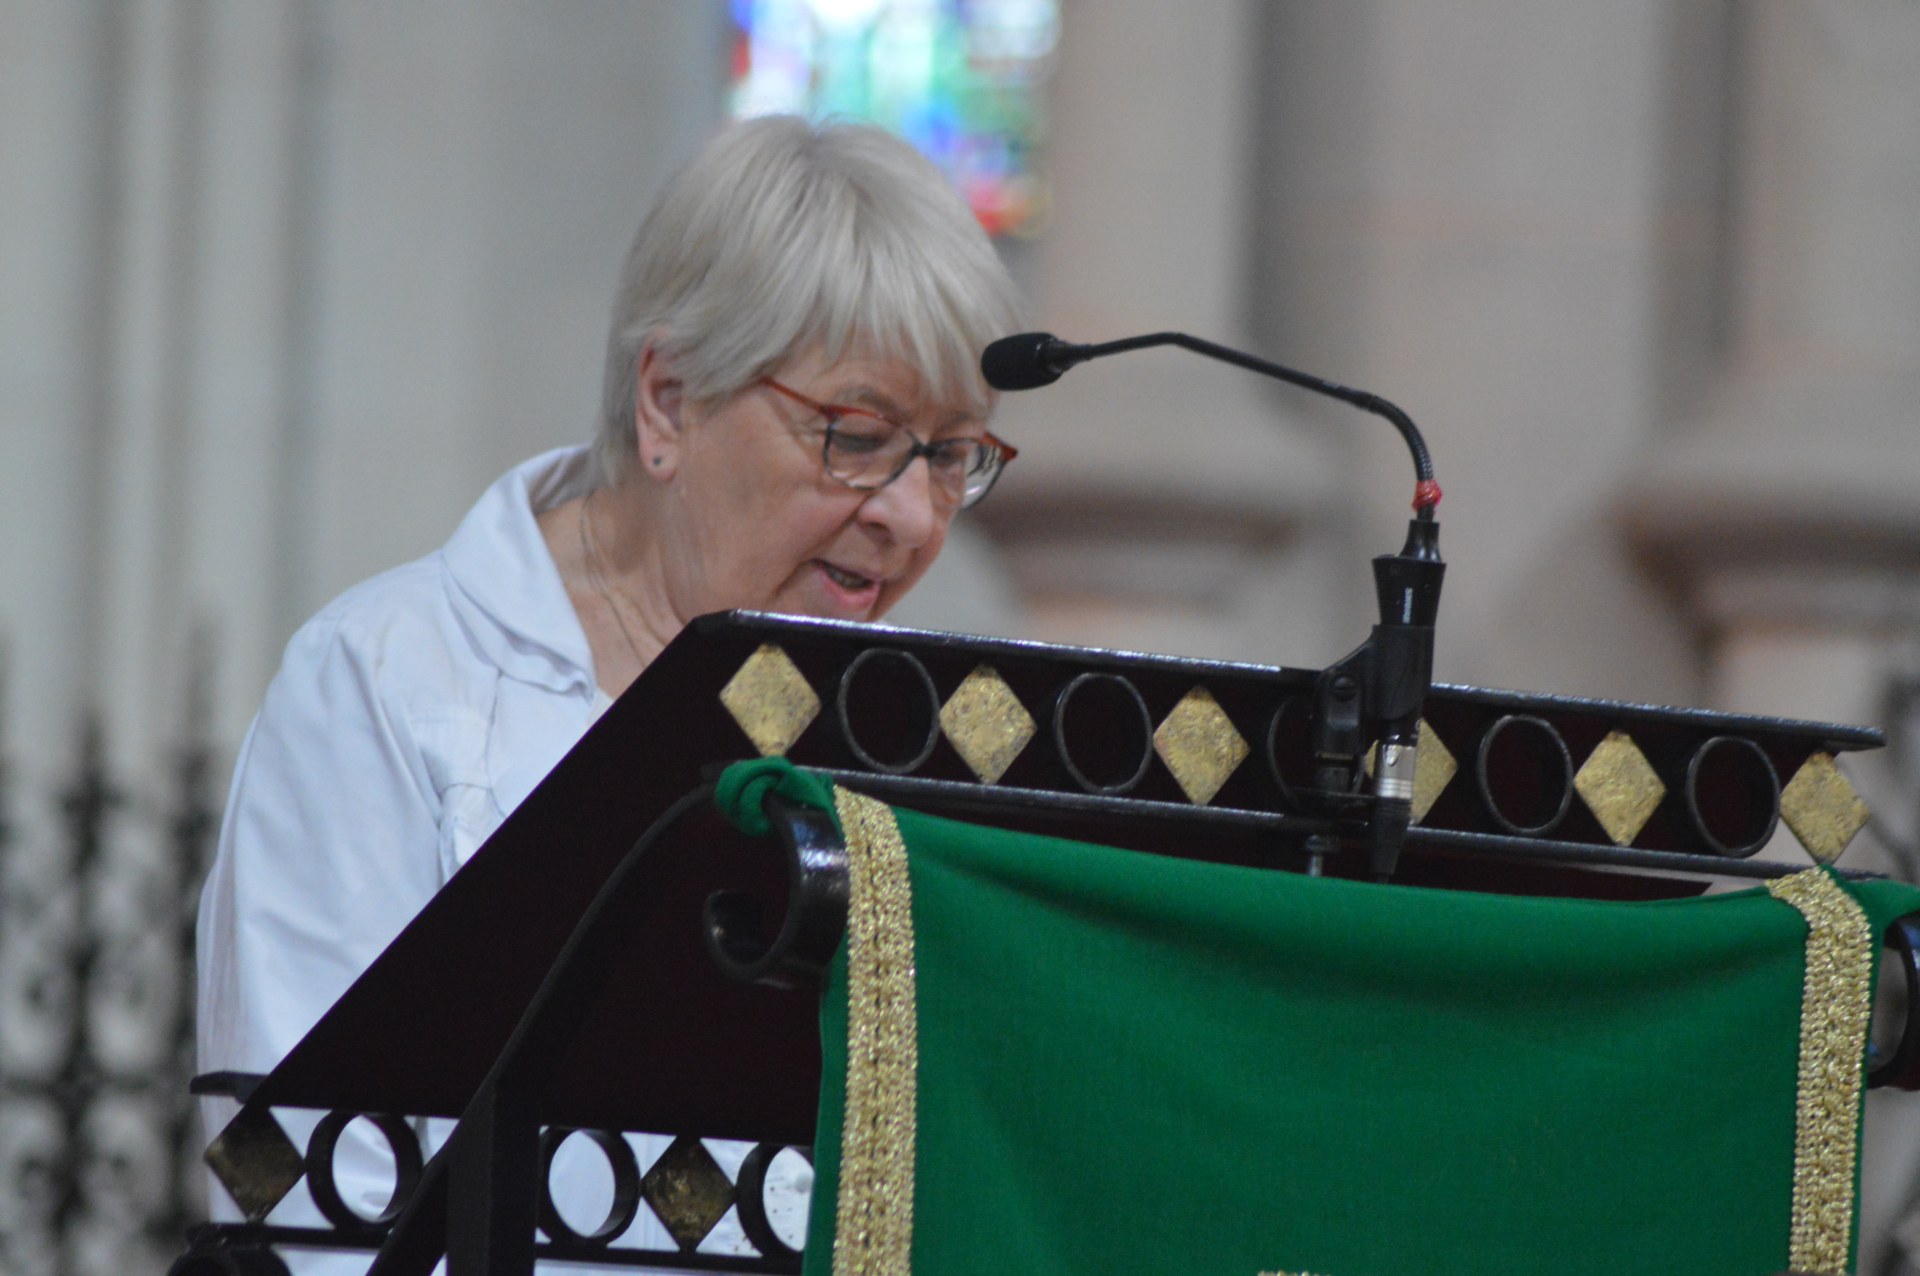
[1026, 361]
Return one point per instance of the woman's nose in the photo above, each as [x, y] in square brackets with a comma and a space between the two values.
[906, 507]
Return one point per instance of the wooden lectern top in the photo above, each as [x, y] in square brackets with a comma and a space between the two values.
[1187, 757]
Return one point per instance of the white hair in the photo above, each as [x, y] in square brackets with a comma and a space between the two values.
[783, 236]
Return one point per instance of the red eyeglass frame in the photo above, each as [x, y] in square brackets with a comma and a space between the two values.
[833, 410]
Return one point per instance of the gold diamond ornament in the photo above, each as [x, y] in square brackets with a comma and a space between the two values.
[688, 1190]
[986, 723]
[1822, 809]
[1620, 787]
[1199, 745]
[255, 1161]
[1433, 769]
[771, 700]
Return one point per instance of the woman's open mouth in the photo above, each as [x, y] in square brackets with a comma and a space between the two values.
[845, 579]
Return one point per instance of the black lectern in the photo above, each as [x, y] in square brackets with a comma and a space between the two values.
[571, 975]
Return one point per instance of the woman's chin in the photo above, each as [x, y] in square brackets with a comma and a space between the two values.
[848, 609]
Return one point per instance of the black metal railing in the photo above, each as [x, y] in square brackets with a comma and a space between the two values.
[721, 1205]
[99, 1148]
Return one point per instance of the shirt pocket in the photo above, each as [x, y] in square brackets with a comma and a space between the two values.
[453, 745]
[533, 728]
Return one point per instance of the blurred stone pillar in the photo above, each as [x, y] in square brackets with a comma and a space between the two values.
[1465, 211]
[290, 281]
[1785, 516]
[1161, 499]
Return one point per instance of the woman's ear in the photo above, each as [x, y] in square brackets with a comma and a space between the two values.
[658, 406]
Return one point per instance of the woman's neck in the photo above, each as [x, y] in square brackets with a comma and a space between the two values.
[608, 553]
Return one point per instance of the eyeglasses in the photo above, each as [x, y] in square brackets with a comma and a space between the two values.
[865, 451]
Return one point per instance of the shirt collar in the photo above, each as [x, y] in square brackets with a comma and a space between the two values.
[499, 560]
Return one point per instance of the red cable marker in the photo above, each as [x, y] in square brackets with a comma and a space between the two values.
[1426, 494]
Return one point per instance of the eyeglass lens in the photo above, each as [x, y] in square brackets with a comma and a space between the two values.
[870, 454]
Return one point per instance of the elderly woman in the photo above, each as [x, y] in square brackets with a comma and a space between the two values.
[792, 415]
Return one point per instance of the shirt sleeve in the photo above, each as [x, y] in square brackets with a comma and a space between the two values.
[327, 851]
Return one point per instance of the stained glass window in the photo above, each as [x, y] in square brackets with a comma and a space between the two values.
[961, 79]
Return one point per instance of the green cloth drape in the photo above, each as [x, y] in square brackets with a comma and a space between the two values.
[1129, 1063]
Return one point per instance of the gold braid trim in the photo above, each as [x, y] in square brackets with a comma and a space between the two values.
[1836, 1004]
[873, 1220]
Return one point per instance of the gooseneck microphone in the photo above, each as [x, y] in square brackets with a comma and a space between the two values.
[1377, 691]
[1029, 360]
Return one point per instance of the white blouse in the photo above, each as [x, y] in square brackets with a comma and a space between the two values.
[409, 717]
